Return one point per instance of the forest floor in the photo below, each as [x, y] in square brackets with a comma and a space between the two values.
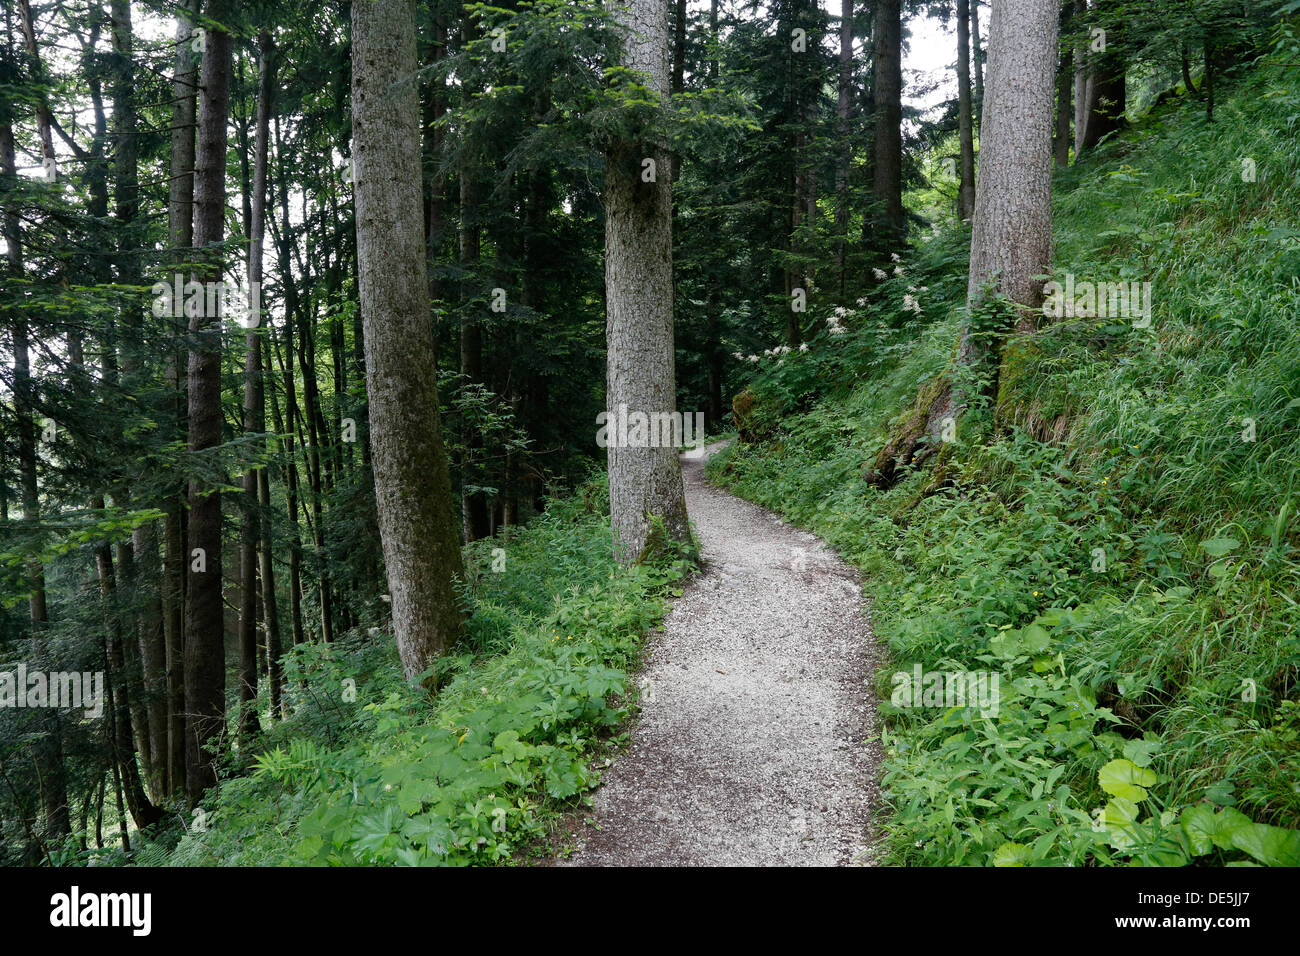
[755, 743]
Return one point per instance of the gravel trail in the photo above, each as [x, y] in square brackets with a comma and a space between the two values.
[754, 746]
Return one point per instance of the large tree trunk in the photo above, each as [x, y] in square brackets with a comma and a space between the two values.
[205, 659]
[888, 184]
[965, 132]
[1011, 241]
[1012, 238]
[645, 483]
[180, 238]
[412, 486]
[254, 422]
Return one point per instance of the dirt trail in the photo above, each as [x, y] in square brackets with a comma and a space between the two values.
[754, 743]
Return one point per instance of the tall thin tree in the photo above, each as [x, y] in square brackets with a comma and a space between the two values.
[251, 517]
[205, 658]
[888, 65]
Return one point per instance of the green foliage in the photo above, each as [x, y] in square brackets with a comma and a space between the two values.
[367, 771]
[1131, 580]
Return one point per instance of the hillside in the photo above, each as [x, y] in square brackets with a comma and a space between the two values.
[1116, 538]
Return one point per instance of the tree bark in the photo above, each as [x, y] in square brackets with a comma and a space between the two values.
[290, 424]
[1011, 239]
[1107, 96]
[143, 812]
[645, 483]
[1064, 87]
[180, 238]
[254, 420]
[844, 157]
[205, 671]
[412, 486]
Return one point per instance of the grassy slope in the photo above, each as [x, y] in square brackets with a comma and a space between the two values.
[1176, 666]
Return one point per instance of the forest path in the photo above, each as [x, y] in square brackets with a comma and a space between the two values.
[754, 745]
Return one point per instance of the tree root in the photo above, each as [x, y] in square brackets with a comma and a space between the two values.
[906, 449]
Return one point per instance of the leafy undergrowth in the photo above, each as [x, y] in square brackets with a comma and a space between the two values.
[1117, 544]
[369, 772]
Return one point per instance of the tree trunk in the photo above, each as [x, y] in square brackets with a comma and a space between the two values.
[180, 238]
[435, 184]
[1085, 84]
[1011, 240]
[143, 812]
[977, 59]
[678, 82]
[412, 487]
[1207, 81]
[645, 483]
[1107, 96]
[289, 427]
[474, 506]
[888, 184]
[44, 120]
[270, 603]
[205, 662]
[844, 158]
[475, 519]
[965, 132]
[254, 421]
[1064, 86]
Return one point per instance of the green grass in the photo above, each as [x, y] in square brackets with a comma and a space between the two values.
[1175, 667]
